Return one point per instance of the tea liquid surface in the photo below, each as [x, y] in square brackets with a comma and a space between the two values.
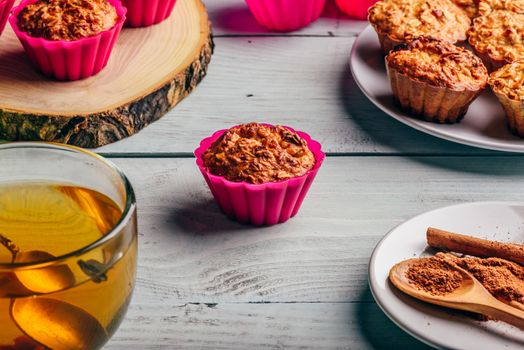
[57, 219]
[70, 305]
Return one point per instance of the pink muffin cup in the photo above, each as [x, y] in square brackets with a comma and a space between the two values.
[286, 15]
[357, 9]
[69, 60]
[144, 13]
[260, 204]
[5, 8]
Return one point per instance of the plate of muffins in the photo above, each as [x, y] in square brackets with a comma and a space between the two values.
[450, 68]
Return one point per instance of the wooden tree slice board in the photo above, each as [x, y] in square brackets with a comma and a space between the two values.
[149, 72]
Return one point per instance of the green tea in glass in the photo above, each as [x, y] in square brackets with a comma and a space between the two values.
[68, 247]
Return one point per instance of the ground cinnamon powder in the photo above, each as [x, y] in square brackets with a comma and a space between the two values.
[502, 278]
[434, 275]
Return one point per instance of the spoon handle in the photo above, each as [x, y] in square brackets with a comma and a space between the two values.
[503, 312]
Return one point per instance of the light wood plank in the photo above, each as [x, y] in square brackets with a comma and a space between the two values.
[232, 17]
[303, 82]
[189, 252]
[260, 326]
[312, 269]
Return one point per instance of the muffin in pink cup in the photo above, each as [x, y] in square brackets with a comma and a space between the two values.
[357, 9]
[286, 15]
[144, 13]
[259, 173]
[79, 46]
[5, 8]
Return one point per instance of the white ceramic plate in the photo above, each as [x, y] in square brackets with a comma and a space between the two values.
[483, 126]
[436, 326]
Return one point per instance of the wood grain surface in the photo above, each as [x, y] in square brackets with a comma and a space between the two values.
[302, 284]
[304, 82]
[261, 326]
[150, 71]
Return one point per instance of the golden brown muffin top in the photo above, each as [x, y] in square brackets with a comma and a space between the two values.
[258, 154]
[499, 34]
[439, 63]
[404, 20]
[509, 80]
[488, 6]
[469, 6]
[67, 19]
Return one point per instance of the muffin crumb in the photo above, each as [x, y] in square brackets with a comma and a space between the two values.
[257, 153]
[67, 19]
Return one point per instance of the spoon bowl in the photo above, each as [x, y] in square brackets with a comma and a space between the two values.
[57, 324]
[47, 280]
[469, 296]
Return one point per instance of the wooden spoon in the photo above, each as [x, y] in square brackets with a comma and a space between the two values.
[469, 296]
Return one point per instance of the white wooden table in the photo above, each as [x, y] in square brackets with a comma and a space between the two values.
[205, 282]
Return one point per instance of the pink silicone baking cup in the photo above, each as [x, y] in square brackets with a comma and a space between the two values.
[143, 13]
[355, 8]
[286, 15]
[5, 8]
[69, 60]
[260, 204]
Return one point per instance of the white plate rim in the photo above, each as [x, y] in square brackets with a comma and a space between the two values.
[415, 123]
[372, 262]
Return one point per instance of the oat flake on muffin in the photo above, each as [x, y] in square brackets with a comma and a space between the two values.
[258, 153]
[509, 80]
[488, 6]
[399, 21]
[498, 38]
[67, 19]
[469, 6]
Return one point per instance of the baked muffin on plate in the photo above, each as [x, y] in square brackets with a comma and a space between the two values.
[508, 84]
[259, 173]
[68, 39]
[434, 79]
[400, 21]
[488, 6]
[498, 38]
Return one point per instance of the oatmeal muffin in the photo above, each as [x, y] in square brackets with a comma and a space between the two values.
[67, 20]
[508, 84]
[488, 6]
[257, 153]
[68, 39]
[434, 79]
[498, 38]
[400, 21]
[468, 6]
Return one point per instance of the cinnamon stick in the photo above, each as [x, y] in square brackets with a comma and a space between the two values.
[474, 246]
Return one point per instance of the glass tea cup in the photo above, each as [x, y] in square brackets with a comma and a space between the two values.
[68, 247]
